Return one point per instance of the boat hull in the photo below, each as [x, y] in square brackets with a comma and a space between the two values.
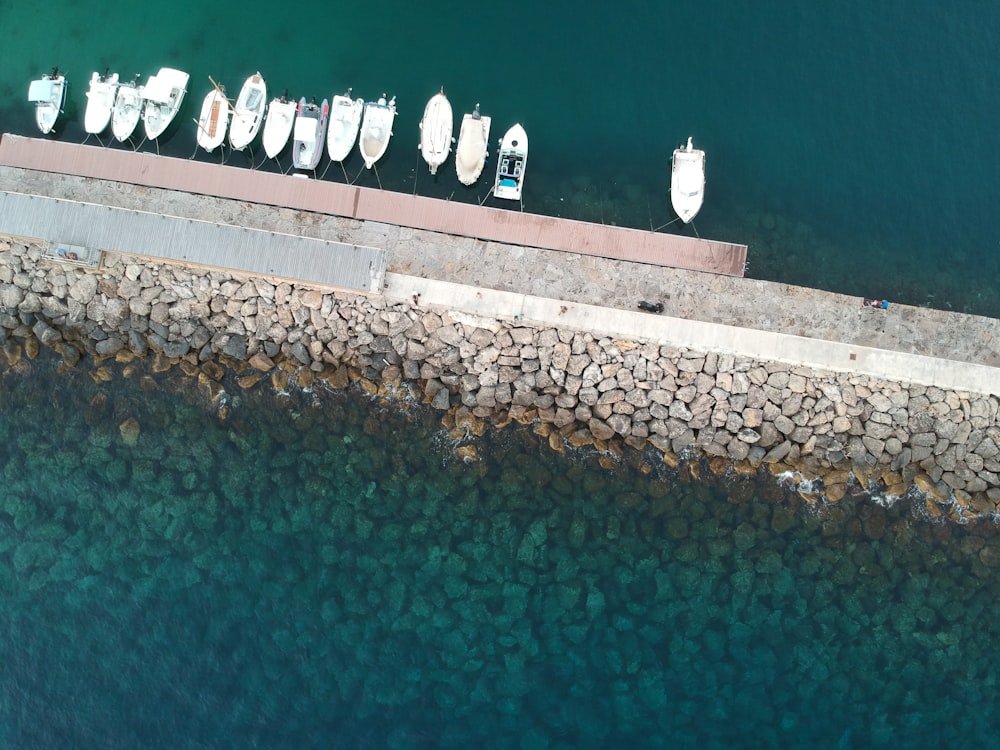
[164, 94]
[511, 162]
[213, 120]
[310, 132]
[473, 147]
[49, 96]
[278, 126]
[345, 122]
[100, 102]
[248, 112]
[127, 111]
[435, 131]
[376, 130]
[687, 182]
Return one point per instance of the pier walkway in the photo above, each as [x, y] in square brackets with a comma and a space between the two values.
[703, 311]
[368, 204]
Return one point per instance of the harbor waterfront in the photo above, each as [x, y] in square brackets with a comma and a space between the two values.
[299, 544]
[829, 431]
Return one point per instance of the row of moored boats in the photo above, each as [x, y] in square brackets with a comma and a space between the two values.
[339, 124]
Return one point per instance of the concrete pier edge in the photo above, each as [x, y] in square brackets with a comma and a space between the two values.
[697, 335]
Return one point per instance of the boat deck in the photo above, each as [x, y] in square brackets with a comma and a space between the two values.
[369, 204]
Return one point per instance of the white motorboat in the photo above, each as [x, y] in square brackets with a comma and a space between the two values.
[473, 146]
[687, 181]
[164, 94]
[100, 102]
[511, 162]
[278, 125]
[345, 121]
[127, 110]
[248, 112]
[376, 129]
[214, 119]
[48, 94]
[310, 131]
[435, 131]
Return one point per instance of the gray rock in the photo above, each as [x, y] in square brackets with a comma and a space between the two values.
[176, 349]
[137, 342]
[441, 400]
[84, 289]
[110, 346]
[236, 347]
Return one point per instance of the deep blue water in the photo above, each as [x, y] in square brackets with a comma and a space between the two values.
[317, 569]
[852, 146]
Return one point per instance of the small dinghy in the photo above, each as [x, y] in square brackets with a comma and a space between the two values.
[310, 132]
[127, 110]
[376, 129]
[687, 181]
[435, 131]
[473, 146]
[345, 121]
[248, 112]
[48, 94]
[510, 164]
[278, 125]
[100, 102]
[214, 119]
[164, 94]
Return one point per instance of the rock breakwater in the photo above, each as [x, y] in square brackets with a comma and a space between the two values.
[830, 433]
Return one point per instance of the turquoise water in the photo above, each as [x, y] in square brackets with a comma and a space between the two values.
[852, 145]
[318, 570]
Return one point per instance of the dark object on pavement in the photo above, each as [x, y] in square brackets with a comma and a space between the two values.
[653, 307]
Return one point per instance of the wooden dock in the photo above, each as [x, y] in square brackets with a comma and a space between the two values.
[369, 204]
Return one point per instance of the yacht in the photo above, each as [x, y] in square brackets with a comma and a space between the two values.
[214, 119]
[345, 121]
[310, 131]
[100, 102]
[48, 95]
[376, 129]
[687, 181]
[127, 109]
[278, 125]
[473, 146]
[435, 131]
[164, 94]
[248, 112]
[511, 162]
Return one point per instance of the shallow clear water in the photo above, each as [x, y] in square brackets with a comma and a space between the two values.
[852, 146]
[318, 570]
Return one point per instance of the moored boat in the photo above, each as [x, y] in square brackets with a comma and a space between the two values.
[278, 124]
[100, 102]
[376, 129]
[435, 131]
[687, 181]
[310, 131]
[214, 119]
[511, 161]
[473, 146]
[164, 94]
[248, 112]
[345, 121]
[48, 94]
[127, 110]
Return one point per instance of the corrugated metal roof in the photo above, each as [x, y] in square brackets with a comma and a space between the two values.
[368, 204]
[202, 243]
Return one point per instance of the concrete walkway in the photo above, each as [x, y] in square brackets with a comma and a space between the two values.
[753, 318]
